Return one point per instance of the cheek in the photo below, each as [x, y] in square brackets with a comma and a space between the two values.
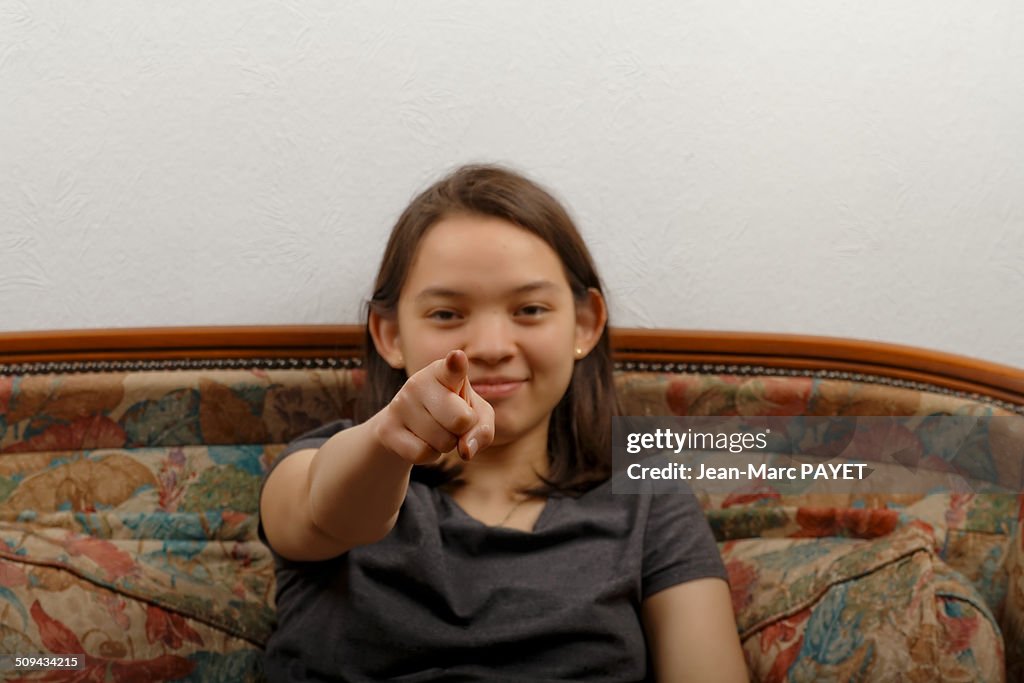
[559, 347]
[420, 346]
[421, 357]
[556, 360]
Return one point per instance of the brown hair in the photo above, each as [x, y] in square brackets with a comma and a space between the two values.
[579, 436]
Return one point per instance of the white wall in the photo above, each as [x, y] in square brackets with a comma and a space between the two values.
[822, 167]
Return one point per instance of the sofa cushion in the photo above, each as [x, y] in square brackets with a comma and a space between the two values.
[121, 637]
[173, 526]
[1013, 612]
[848, 609]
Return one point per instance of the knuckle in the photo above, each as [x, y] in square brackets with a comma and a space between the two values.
[442, 443]
[399, 405]
[413, 385]
[463, 421]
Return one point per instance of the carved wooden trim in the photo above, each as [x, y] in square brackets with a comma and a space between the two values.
[163, 343]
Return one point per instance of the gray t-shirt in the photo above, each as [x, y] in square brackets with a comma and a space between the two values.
[446, 598]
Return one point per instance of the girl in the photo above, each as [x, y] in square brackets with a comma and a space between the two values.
[465, 528]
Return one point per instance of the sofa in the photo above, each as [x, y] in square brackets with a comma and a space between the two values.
[130, 463]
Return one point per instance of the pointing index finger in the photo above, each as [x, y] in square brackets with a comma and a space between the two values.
[453, 372]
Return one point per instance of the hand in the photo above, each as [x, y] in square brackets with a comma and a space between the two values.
[435, 411]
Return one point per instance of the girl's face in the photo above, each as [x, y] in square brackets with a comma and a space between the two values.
[499, 293]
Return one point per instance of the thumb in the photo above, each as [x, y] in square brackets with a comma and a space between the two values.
[452, 371]
[482, 434]
[476, 439]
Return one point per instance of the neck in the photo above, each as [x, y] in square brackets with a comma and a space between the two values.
[504, 468]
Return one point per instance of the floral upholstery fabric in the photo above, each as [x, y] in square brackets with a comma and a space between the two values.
[811, 610]
[128, 530]
[128, 515]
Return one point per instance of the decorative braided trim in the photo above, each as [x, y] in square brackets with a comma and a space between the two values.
[64, 367]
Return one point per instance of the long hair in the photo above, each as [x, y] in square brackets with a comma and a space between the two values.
[579, 435]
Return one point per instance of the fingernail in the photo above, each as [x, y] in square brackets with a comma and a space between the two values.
[471, 447]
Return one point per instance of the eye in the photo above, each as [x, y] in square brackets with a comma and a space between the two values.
[533, 310]
[442, 315]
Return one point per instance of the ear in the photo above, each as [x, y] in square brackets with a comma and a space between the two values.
[384, 330]
[591, 317]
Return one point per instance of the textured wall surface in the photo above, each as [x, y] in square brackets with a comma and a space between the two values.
[836, 168]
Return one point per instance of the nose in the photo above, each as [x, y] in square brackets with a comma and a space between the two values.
[491, 339]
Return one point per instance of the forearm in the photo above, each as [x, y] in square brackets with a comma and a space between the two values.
[692, 633]
[318, 504]
[356, 486]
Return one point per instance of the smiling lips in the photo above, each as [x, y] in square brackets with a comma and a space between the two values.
[495, 387]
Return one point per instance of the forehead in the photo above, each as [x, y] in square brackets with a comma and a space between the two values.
[474, 254]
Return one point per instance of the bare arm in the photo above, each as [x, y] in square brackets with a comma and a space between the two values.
[318, 504]
[691, 634]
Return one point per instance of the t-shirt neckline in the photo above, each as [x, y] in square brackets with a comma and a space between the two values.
[457, 510]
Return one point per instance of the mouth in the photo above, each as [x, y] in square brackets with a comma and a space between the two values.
[496, 388]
